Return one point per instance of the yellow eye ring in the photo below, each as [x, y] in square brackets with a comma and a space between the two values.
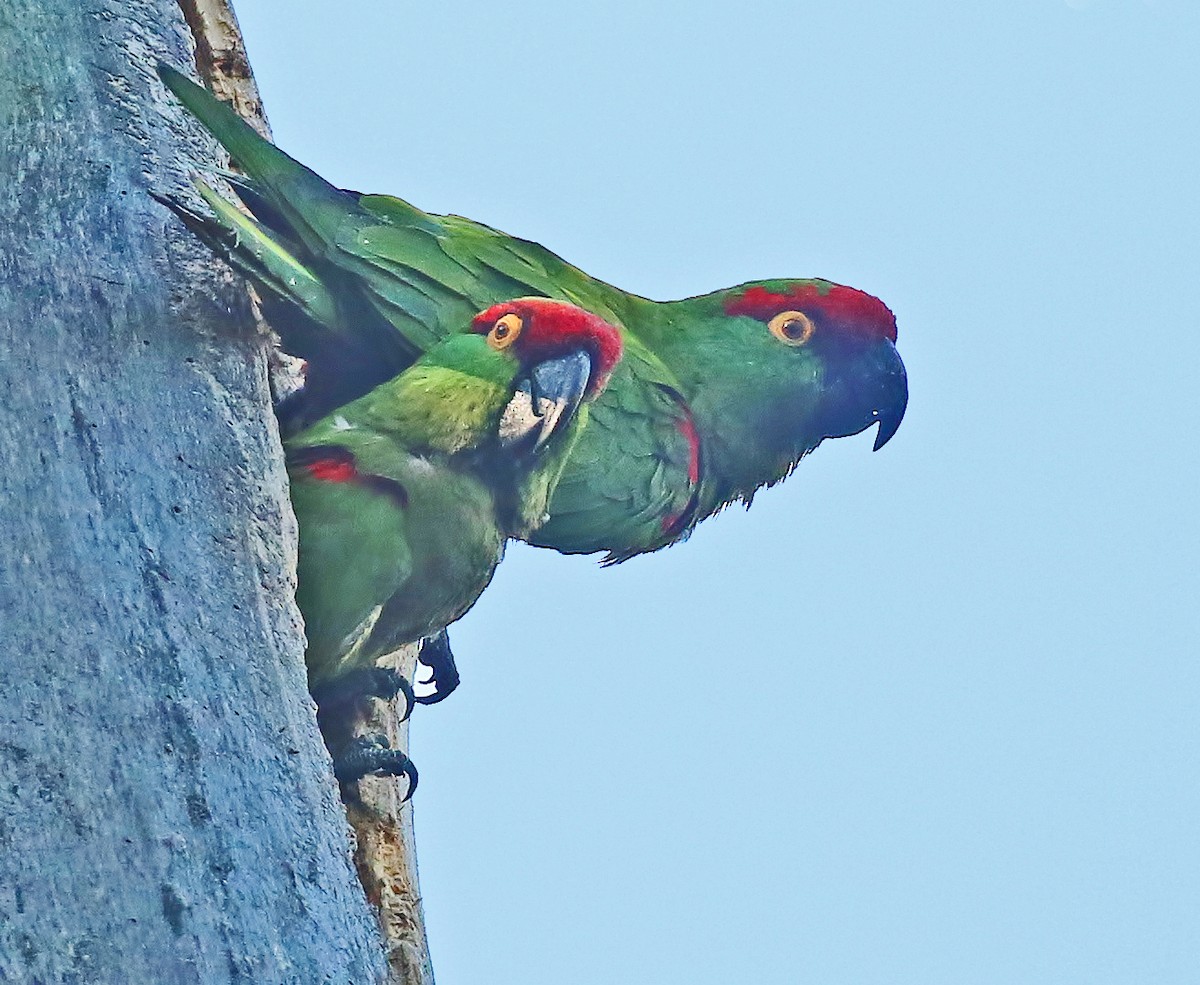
[504, 333]
[792, 327]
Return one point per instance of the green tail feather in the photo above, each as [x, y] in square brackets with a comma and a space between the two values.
[312, 206]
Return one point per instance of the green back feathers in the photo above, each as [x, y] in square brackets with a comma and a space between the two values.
[447, 402]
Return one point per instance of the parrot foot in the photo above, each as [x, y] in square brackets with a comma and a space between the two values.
[344, 692]
[372, 756]
[435, 654]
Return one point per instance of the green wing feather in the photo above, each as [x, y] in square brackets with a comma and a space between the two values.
[398, 532]
[627, 487]
[353, 557]
[313, 208]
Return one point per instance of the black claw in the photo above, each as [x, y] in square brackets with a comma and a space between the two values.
[372, 756]
[435, 654]
[389, 684]
[365, 682]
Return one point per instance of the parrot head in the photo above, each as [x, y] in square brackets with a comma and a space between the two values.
[564, 355]
[547, 360]
[773, 368]
[504, 399]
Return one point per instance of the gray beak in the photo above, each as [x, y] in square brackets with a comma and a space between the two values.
[545, 400]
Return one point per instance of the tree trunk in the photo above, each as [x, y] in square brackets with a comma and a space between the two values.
[167, 812]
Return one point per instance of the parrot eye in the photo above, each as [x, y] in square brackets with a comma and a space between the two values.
[504, 333]
[792, 327]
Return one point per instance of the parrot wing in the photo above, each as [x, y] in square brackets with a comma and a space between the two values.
[354, 554]
[633, 475]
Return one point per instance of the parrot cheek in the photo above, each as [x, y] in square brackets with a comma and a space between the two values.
[520, 418]
[792, 425]
[544, 402]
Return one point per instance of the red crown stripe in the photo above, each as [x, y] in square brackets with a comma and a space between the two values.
[855, 310]
[551, 326]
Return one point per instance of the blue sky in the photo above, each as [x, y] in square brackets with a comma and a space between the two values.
[927, 715]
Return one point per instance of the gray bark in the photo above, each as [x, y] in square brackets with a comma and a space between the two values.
[166, 807]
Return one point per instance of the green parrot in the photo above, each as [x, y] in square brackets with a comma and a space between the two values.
[716, 396]
[405, 496]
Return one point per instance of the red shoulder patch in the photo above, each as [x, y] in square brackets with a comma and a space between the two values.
[328, 463]
[329, 470]
[687, 427]
[673, 524]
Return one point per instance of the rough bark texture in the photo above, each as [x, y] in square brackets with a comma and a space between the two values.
[385, 852]
[384, 846]
[221, 58]
[166, 807]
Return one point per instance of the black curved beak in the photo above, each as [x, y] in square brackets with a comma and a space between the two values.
[545, 400]
[869, 387]
[892, 394]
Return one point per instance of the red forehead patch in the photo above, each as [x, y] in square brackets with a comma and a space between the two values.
[845, 307]
[551, 327]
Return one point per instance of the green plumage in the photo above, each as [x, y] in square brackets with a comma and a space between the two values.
[405, 498]
[708, 404]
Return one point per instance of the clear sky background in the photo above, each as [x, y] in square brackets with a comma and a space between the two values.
[922, 716]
